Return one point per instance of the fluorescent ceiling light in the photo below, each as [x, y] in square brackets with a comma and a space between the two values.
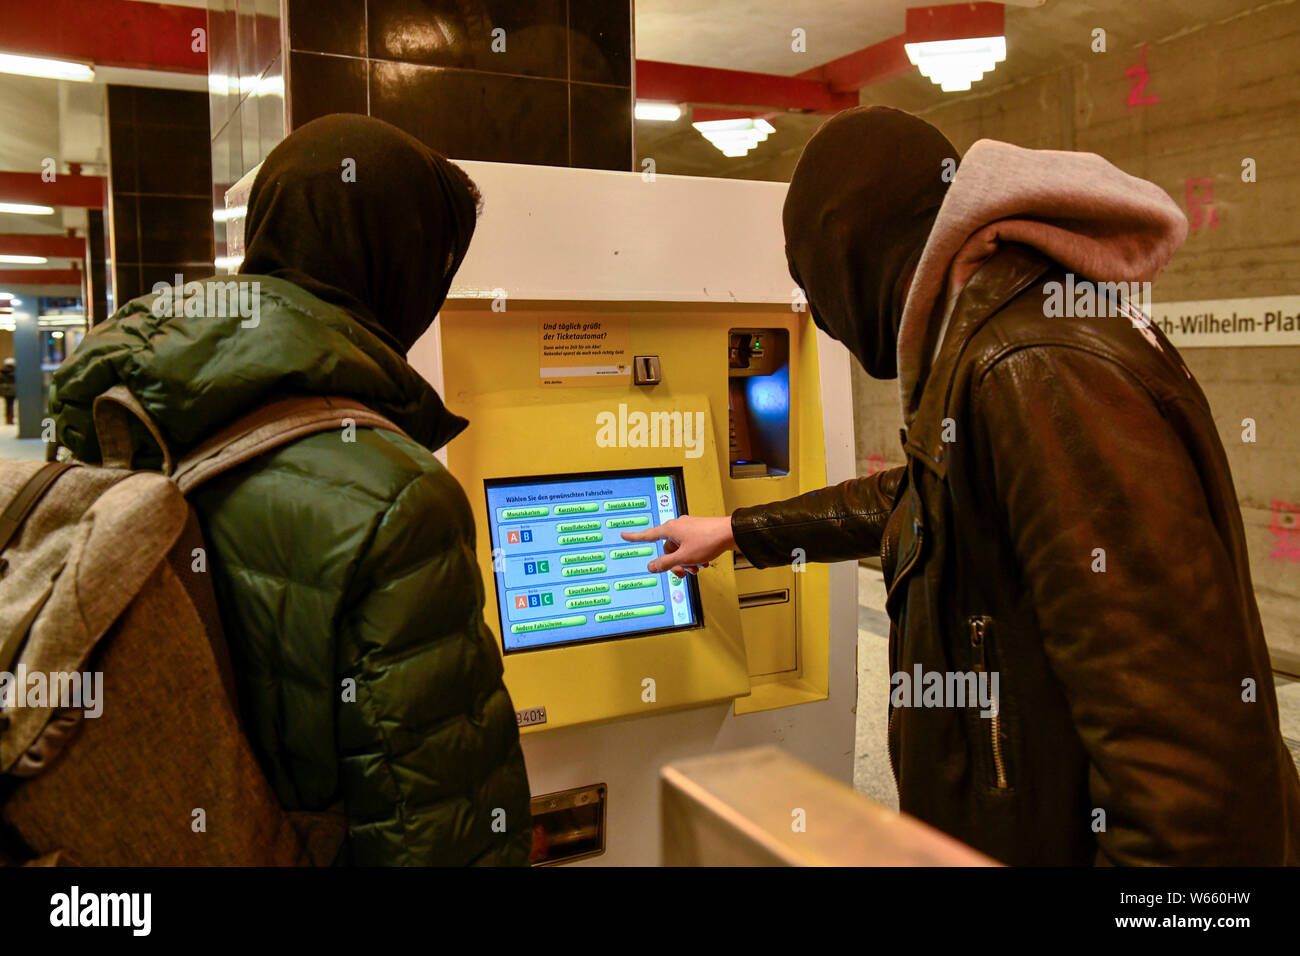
[219, 84]
[955, 64]
[229, 263]
[26, 209]
[659, 112]
[233, 212]
[735, 137]
[47, 68]
[23, 260]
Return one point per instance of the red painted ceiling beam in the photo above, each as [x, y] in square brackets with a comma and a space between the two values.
[52, 247]
[955, 21]
[679, 83]
[13, 277]
[86, 192]
[125, 33]
[888, 58]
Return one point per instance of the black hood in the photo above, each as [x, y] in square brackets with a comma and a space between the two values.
[861, 204]
[364, 216]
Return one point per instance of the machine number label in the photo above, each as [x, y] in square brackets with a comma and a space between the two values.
[531, 716]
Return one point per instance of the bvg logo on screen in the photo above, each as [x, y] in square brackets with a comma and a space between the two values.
[624, 429]
[131, 910]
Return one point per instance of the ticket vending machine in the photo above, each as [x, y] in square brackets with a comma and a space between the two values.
[628, 350]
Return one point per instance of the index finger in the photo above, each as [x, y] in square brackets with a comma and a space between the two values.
[656, 533]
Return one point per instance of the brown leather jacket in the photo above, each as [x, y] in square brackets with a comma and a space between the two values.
[1079, 534]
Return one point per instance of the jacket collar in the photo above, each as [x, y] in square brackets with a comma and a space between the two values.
[1005, 275]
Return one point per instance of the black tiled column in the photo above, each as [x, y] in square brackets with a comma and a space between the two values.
[159, 180]
[559, 93]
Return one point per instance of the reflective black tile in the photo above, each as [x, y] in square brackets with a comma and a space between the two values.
[328, 26]
[175, 229]
[182, 109]
[498, 36]
[601, 126]
[320, 85]
[471, 115]
[126, 228]
[123, 175]
[174, 161]
[600, 41]
[267, 44]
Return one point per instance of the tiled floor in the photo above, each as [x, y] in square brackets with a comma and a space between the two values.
[11, 447]
[871, 771]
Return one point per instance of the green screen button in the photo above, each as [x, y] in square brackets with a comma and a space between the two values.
[546, 624]
[574, 603]
[580, 569]
[618, 554]
[581, 538]
[577, 509]
[593, 588]
[564, 527]
[626, 613]
[627, 504]
[513, 514]
[631, 584]
[583, 557]
[628, 522]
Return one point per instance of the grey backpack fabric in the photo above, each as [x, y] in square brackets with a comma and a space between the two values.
[120, 741]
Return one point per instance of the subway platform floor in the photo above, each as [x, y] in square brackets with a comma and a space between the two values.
[871, 772]
[14, 448]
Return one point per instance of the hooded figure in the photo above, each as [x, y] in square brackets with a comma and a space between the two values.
[365, 217]
[861, 204]
[1063, 532]
[343, 563]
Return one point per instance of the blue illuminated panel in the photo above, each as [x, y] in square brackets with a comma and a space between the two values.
[563, 572]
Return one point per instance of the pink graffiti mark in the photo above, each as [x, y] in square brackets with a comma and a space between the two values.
[1286, 528]
[1140, 77]
[1200, 200]
[875, 464]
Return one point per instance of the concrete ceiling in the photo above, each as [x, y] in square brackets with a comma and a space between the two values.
[1042, 37]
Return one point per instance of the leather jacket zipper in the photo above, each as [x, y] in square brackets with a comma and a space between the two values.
[889, 745]
[980, 625]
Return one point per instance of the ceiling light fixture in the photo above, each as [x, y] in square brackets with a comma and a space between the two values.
[26, 209]
[46, 68]
[23, 260]
[657, 112]
[735, 137]
[954, 65]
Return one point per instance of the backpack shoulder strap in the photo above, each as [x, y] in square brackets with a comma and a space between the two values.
[28, 497]
[269, 427]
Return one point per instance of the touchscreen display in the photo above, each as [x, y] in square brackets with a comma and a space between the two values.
[563, 572]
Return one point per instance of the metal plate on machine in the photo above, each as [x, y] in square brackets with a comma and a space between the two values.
[530, 716]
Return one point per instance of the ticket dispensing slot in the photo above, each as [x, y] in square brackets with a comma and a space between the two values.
[758, 402]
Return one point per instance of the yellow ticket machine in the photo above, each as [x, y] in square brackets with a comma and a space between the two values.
[628, 350]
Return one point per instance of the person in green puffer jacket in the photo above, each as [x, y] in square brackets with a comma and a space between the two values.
[346, 571]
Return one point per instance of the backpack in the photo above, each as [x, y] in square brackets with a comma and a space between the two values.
[120, 740]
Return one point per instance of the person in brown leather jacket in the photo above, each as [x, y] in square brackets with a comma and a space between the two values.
[1065, 521]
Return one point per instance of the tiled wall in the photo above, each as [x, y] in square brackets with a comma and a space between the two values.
[245, 92]
[160, 181]
[558, 94]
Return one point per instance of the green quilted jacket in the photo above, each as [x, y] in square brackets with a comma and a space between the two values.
[335, 562]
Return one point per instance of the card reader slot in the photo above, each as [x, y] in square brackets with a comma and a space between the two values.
[760, 598]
